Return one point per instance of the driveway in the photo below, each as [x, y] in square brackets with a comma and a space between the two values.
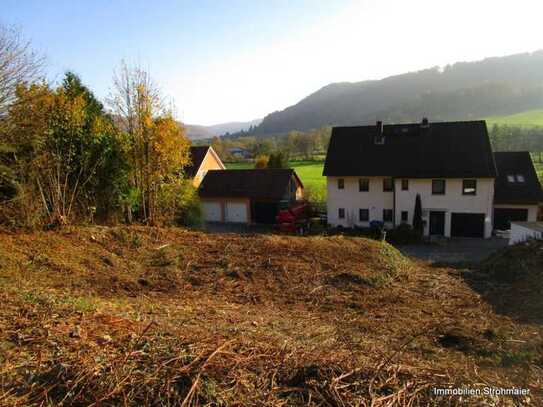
[457, 250]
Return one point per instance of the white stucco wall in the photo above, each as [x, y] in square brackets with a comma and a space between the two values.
[523, 231]
[532, 210]
[351, 199]
[451, 202]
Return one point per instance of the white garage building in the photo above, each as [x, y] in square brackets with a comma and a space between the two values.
[248, 196]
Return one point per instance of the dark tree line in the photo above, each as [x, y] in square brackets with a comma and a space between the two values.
[516, 138]
[295, 145]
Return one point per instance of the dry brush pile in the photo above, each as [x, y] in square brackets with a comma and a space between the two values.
[141, 316]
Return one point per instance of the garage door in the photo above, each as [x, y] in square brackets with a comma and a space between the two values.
[504, 216]
[211, 211]
[236, 212]
[265, 212]
[468, 225]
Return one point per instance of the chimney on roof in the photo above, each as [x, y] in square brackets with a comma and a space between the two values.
[379, 136]
[379, 126]
[424, 124]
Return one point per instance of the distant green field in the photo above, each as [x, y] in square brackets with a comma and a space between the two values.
[539, 169]
[239, 166]
[310, 172]
[529, 118]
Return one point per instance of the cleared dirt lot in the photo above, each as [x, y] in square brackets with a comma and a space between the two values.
[150, 316]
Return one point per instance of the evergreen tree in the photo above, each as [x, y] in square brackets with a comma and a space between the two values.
[417, 216]
[278, 160]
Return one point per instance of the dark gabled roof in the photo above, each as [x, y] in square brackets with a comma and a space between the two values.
[516, 163]
[442, 150]
[197, 155]
[255, 184]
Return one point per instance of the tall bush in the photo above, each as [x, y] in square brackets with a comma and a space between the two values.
[262, 161]
[278, 160]
[178, 204]
[64, 154]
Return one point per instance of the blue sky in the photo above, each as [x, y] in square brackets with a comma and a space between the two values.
[239, 60]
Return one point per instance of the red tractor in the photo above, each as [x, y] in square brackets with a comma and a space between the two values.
[295, 219]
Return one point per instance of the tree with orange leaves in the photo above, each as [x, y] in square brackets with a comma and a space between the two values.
[156, 144]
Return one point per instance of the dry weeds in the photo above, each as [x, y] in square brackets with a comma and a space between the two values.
[139, 316]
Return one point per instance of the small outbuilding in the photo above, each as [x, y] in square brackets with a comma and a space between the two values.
[248, 196]
[240, 153]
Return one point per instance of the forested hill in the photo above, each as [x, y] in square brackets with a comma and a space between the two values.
[196, 132]
[465, 90]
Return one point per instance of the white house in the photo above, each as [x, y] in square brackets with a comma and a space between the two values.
[374, 173]
[517, 192]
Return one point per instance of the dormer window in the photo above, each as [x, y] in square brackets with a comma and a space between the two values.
[516, 178]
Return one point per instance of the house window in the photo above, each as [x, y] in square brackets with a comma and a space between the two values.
[363, 185]
[341, 213]
[438, 187]
[364, 215]
[388, 185]
[405, 185]
[387, 215]
[340, 183]
[516, 178]
[404, 216]
[469, 187]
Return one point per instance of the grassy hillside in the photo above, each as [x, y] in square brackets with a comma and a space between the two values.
[539, 169]
[529, 118]
[141, 316]
[456, 92]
